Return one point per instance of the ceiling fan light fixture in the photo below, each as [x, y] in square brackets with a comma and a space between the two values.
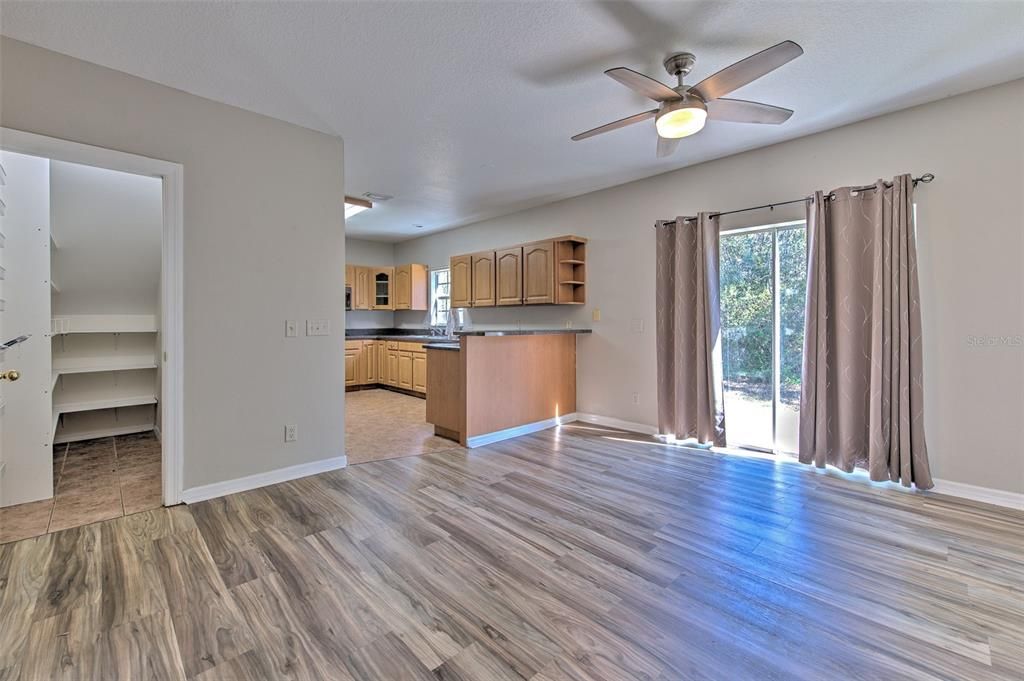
[681, 118]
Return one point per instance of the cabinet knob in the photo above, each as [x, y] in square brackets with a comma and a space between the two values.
[10, 375]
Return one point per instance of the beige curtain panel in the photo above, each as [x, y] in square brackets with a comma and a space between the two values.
[689, 347]
[862, 396]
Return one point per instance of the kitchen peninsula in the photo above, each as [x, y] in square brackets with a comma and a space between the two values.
[492, 385]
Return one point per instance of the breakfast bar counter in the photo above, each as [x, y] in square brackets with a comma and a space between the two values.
[496, 384]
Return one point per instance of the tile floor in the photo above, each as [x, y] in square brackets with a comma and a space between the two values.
[381, 424]
[93, 480]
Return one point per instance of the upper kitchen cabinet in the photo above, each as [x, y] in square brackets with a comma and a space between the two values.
[381, 298]
[571, 272]
[410, 287]
[483, 279]
[461, 286]
[509, 265]
[539, 273]
[361, 288]
[547, 272]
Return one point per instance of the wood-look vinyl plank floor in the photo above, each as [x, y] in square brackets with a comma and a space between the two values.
[567, 555]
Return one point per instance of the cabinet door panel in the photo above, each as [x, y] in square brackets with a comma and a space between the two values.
[392, 378]
[539, 273]
[483, 279]
[419, 372]
[509, 263]
[460, 289]
[403, 287]
[381, 288]
[351, 359]
[405, 370]
[361, 290]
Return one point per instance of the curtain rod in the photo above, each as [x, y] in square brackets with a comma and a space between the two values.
[926, 178]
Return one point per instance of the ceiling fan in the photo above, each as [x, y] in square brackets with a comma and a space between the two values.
[683, 109]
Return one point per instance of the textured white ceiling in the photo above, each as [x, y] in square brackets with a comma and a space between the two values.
[463, 110]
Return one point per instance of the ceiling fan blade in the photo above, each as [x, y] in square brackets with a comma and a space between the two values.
[742, 111]
[615, 125]
[747, 70]
[644, 85]
[667, 146]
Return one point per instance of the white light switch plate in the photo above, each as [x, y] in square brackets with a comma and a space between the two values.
[290, 328]
[318, 327]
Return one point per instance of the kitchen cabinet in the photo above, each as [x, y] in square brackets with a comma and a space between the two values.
[350, 276]
[351, 372]
[547, 272]
[419, 371]
[509, 266]
[381, 292]
[483, 279]
[368, 357]
[539, 273]
[460, 287]
[361, 288]
[405, 369]
[392, 368]
[410, 287]
[392, 363]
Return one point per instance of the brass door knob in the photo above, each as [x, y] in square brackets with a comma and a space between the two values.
[10, 375]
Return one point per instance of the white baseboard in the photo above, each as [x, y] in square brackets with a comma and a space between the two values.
[220, 489]
[986, 495]
[156, 431]
[508, 433]
[954, 489]
[617, 423]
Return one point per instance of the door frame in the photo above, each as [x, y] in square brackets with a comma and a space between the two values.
[172, 337]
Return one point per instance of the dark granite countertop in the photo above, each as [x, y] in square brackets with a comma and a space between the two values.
[518, 332]
[408, 335]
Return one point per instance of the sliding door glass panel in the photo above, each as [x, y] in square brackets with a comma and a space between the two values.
[748, 312]
[791, 250]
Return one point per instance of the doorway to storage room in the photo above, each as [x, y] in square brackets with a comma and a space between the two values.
[83, 255]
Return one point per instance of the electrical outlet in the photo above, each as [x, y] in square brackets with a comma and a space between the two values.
[318, 327]
[636, 398]
[568, 323]
[597, 314]
[291, 329]
[291, 433]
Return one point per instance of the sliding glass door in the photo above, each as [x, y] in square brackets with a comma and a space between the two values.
[763, 281]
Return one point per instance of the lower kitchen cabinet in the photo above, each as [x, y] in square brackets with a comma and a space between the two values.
[405, 370]
[419, 371]
[391, 363]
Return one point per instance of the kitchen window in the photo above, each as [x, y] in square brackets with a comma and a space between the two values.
[440, 280]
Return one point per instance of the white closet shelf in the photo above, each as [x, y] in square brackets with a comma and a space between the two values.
[112, 323]
[98, 402]
[89, 365]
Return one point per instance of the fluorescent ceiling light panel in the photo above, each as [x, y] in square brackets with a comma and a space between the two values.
[354, 206]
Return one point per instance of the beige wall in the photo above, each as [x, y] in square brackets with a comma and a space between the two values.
[263, 242]
[971, 245]
[363, 252]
